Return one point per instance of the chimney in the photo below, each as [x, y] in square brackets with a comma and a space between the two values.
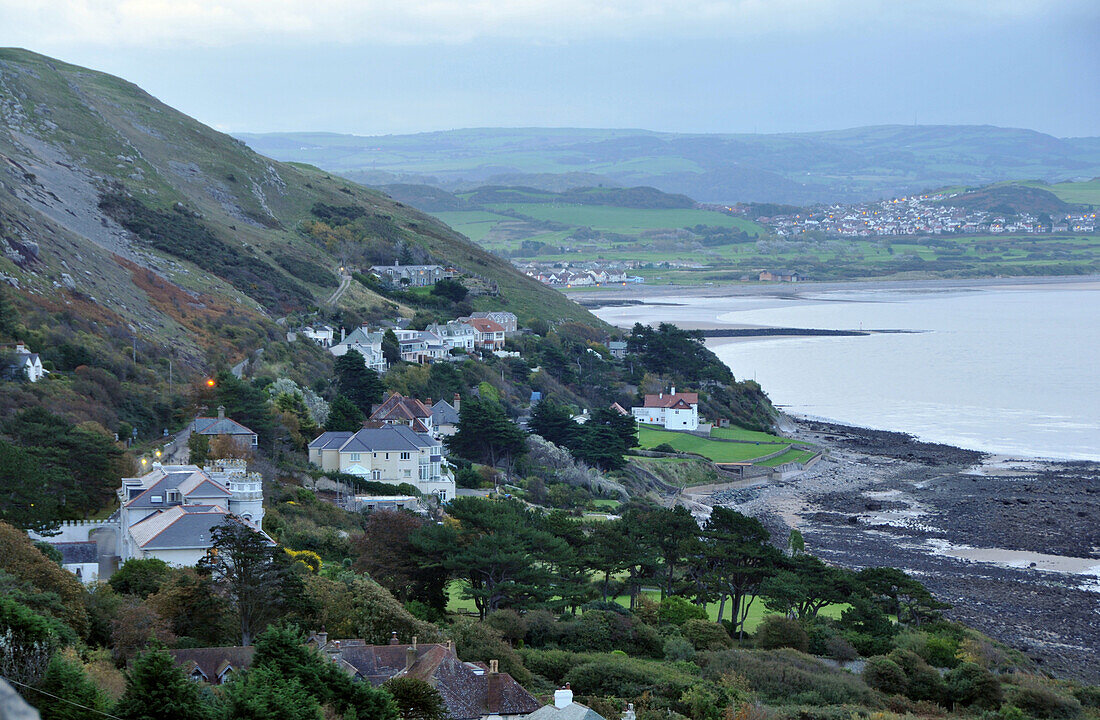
[563, 698]
[492, 689]
[673, 390]
[342, 334]
[221, 412]
[414, 642]
[410, 657]
[322, 637]
[457, 403]
[393, 638]
[494, 666]
[629, 714]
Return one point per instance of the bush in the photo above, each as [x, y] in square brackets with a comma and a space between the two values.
[778, 631]
[705, 635]
[675, 610]
[840, 649]
[971, 684]
[787, 677]
[553, 665]
[625, 677]
[922, 681]
[678, 648]
[1088, 696]
[1040, 701]
[665, 448]
[884, 675]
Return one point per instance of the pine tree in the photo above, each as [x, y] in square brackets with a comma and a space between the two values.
[343, 415]
[158, 690]
[357, 382]
[70, 692]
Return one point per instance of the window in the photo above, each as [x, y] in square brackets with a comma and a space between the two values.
[408, 473]
[376, 474]
[353, 457]
[404, 456]
[156, 499]
[442, 496]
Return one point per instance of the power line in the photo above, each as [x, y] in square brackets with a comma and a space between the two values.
[82, 707]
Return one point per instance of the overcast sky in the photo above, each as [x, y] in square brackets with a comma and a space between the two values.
[399, 66]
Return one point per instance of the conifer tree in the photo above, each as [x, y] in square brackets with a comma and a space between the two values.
[158, 690]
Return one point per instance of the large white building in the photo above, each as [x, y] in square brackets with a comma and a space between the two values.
[366, 343]
[391, 454]
[672, 411]
[167, 514]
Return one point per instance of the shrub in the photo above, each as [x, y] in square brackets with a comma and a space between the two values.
[840, 649]
[705, 635]
[787, 677]
[678, 648]
[884, 675]
[778, 631]
[476, 641]
[509, 623]
[1040, 701]
[675, 610]
[553, 665]
[1088, 696]
[922, 681]
[626, 677]
[665, 448]
[971, 684]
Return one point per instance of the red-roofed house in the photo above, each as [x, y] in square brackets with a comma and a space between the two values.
[490, 334]
[400, 410]
[672, 411]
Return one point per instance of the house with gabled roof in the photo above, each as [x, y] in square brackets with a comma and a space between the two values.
[221, 425]
[672, 411]
[391, 454]
[24, 363]
[367, 343]
[490, 334]
[445, 416]
[469, 690]
[397, 409]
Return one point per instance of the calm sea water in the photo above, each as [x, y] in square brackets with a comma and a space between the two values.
[1004, 370]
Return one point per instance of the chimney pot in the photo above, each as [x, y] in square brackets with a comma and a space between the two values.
[414, 642]
[494, 666]
[563, 698]
[393, 638]
[221, 412]
[410, 657]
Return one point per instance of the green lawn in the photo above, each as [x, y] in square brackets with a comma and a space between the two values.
[628, 221]
[715, 450]
[456, 603]
[734, 432]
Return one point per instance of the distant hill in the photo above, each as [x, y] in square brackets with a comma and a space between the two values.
[117, 207]
[1010, 199]
[791, 168]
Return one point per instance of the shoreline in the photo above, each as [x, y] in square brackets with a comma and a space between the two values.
[1009, 542]
[639, 294]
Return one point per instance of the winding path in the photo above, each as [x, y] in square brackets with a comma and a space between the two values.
[345, 280]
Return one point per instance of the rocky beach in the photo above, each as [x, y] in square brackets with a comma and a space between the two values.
[1013, 545]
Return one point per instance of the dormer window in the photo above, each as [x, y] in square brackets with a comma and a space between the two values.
[174, 496]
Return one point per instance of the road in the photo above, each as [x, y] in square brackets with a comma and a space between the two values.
[345, 280]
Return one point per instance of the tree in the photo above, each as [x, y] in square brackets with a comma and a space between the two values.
[28, 497]
[453, 290]
[357, 382]
[140, 576]
[247, 403]
[135, 627]
[673, 532]
[386, 553]
[264, 693]
[28, 640]
[198, 447]
[485, 434]
[158, 690]
[189, 601]
[343, 415]
[742, 560]
[554, 422]
[900, 595]
[805, 586]
[67, 692]
[497, 547]
[254, 577]
[416, 699]
[391, 347]
[600, 446]
[224, 447]
[25, 562]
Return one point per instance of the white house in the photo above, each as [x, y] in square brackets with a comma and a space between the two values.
[490, 334]
[366, 343]
[505, 319]
[323, 335]
[391, 454]
[455, 335]
[167, 513]
[27, 363]
[673, 411]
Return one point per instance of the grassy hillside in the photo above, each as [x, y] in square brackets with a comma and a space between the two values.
[799, 168]
[121, 208]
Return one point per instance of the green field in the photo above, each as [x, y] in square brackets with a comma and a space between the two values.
[715, 450]
[792, 455]
[456, 603]
[628, 220]
[739, 433]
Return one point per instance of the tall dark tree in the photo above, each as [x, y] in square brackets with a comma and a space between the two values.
[600, 446]
[252, 573]
[744, 560]
[416, 699]
[343, 415]
[554, 422]
[67, 692]
[604, 551]
[357, 382]
[388, 555]
[28, 495]
[391, 347]
[158, 690]
[264, 693]
[486, 435]
[245, 402]
[805, 585]
[673, 533]
[900, 595]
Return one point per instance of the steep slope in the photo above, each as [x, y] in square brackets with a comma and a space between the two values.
[115, 206]
[798, 168]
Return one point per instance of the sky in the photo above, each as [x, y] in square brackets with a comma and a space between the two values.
[373, 67]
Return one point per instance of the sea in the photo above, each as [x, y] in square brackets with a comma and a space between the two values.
[1010, 370]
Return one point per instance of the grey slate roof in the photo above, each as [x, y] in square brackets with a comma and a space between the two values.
[443, 413]
[389, 438]
[572, 711]
[219, 426]
[207, 488]
[77, 552]
[330, 440]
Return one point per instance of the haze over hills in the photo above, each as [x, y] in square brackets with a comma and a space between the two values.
[796, 168]
[119, 208]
